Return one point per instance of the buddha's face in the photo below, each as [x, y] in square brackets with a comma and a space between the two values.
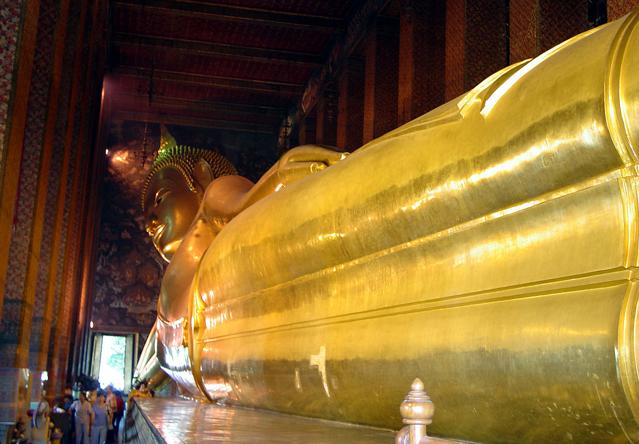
[170, 208]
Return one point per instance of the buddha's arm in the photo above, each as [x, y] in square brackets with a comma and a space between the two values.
[227, 196]
[292, 166]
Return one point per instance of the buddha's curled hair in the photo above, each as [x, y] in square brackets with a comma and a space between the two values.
[184, 159]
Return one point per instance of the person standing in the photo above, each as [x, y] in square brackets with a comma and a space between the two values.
[119, 411]
[102, 418]
[83, 419]
[40, 423]
[112, 406]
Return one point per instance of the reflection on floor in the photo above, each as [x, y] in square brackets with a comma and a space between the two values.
[181, 421]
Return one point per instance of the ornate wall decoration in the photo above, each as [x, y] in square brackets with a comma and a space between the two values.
[9, 32]
[29, 170]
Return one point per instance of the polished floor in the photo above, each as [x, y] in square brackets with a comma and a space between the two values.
[182, 421]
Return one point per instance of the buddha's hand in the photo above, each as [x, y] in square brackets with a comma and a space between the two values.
[307, 159]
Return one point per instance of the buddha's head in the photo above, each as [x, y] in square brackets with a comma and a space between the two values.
[174, 189]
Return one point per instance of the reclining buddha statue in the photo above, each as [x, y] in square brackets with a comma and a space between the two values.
[490, 247]
[189, 196]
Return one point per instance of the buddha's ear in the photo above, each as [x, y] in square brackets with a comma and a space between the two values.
[203, 174]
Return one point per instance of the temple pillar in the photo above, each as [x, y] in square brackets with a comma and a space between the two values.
[18, 55]
[35, 167]
[476, 43]
[421, 57]
[326, 120]
[34, 172]
[54, 317]
[558, 21]
[54, 232]
[46, 198]
[380, 79]
[524, 29]
[21, 35]
[87, 196]
[538, 25]
[306, 129]
[619, 8]
[350, 105]
[61, 265]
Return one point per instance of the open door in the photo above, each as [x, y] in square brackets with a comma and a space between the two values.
[113, 360]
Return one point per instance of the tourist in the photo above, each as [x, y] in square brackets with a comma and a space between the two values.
[140, 391]
[40, 423]
[68, 402]
[101, 419]
[112, 405]
[19, 433]
[118, 412]
[62, 419]
[83, 419]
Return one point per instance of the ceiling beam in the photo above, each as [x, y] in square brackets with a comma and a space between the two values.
[258, 86]
[217, 49]
[137, 101]
[238, 14]
[196, 121]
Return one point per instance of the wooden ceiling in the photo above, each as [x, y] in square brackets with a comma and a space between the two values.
[228, 64]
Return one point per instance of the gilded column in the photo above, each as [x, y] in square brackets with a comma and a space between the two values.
[66, 210]
[78, 248]
[93, 172]
[56, 187]
[17, 58]
[37, 263]
[24, 249]
[18, 28]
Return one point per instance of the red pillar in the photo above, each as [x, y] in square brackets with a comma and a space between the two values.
[619, 8]
[350, 106]
[538, 25]
[326, 120]
[421, 57]
[561, 20]
[476, 42]
[380, 79]
[306, 129]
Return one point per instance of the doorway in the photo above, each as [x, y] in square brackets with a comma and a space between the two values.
[112, 362]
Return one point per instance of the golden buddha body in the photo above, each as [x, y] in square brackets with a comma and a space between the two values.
[489, 247]
[189, 196]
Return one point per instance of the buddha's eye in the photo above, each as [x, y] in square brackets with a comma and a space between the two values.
[161, 194]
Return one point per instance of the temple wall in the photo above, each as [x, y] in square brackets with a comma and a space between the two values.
[445, 49]
[44, 91]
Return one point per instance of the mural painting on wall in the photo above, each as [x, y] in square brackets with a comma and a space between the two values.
[128, 269]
